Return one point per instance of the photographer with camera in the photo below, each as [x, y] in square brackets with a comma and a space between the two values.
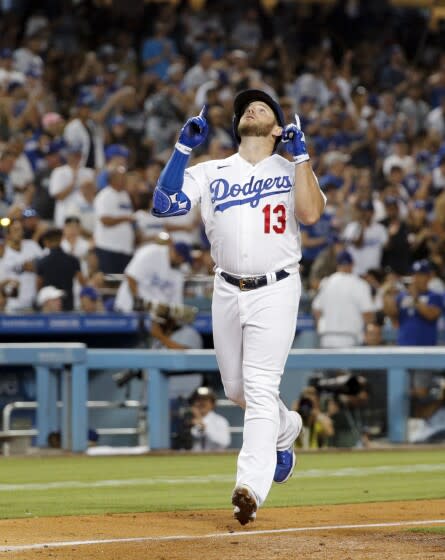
[317, 426]
[343, 396]
[153, 274]
[154, 283]
[210, 431]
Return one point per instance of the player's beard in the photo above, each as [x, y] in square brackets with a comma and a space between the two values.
[253, 128]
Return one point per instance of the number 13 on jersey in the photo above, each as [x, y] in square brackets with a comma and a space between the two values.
[276, 215]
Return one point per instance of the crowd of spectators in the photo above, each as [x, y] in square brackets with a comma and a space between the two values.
[93, 94]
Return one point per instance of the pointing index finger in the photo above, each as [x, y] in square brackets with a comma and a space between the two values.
[204, 111]
[297, 121]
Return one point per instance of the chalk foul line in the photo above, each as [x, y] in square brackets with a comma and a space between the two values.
[220, 478]
[45, 546]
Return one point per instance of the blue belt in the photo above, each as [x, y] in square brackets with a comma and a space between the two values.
[252, 282]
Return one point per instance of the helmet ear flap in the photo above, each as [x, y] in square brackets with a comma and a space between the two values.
[235, 122]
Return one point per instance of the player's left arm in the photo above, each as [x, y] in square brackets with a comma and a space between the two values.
[309, 200]
[430, 310]
[168, 197]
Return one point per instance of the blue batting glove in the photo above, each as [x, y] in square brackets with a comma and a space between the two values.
[194, 132]
[294, 141]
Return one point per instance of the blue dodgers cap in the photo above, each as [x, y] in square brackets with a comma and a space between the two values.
[5, 53]
[114, 150]
[421, 267]
[34, 73]
[90, 292]
[84, 101]
[365, 205]
[118, 119]
[249, 96]
[184, 250]
[29, 213]
[307, 99]
[390, 199]
[14, 85]
[330, 180]
[73, 148]
[398, 138]
[99, 81]
[53, 147]
[423, 156]
[344, 257]
[420, 204]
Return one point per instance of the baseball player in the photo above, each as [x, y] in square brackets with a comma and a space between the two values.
[251, 203]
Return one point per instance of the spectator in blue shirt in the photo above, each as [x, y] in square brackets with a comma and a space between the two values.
[316, 237]
[158, 52]
[416, 309]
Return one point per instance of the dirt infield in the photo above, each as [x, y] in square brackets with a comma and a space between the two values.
[316, 533]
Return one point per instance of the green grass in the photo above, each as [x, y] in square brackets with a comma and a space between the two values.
[161, 483]
[435, 530]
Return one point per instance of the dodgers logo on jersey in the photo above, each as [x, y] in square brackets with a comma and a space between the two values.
[226, 195]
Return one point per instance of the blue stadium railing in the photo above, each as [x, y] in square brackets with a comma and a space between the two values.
[74, 361]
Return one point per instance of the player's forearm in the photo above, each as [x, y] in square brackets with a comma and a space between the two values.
[309, 200]
[172, 176]
[429, 312]
[66, 192]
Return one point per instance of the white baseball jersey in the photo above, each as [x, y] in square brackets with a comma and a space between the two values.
[156, 279]
[248, 213]
[60, 178]
[120, 237]
[342, 300]
[13, 260]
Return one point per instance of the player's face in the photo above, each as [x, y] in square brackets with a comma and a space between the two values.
[258, 120]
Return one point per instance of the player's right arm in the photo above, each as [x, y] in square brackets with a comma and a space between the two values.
[168, 198]
[309, 199]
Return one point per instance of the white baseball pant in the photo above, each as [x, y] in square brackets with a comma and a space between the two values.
[253, 333]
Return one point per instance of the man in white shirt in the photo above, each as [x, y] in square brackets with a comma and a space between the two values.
[152, 275]
[114, 234]
[435, 120]
[343, 306]
[18, 264]
[365, 239]
[83, 205]
[64, 183]
[210, 431]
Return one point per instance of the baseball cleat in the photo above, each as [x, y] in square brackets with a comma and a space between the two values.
[286, 461]
[245, 504]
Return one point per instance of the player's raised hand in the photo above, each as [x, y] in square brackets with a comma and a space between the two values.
[194, 132]
[294, 141]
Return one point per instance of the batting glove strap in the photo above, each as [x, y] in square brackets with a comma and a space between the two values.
[183, 148]
[165, 204]
[301, 159]
[295, 142]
